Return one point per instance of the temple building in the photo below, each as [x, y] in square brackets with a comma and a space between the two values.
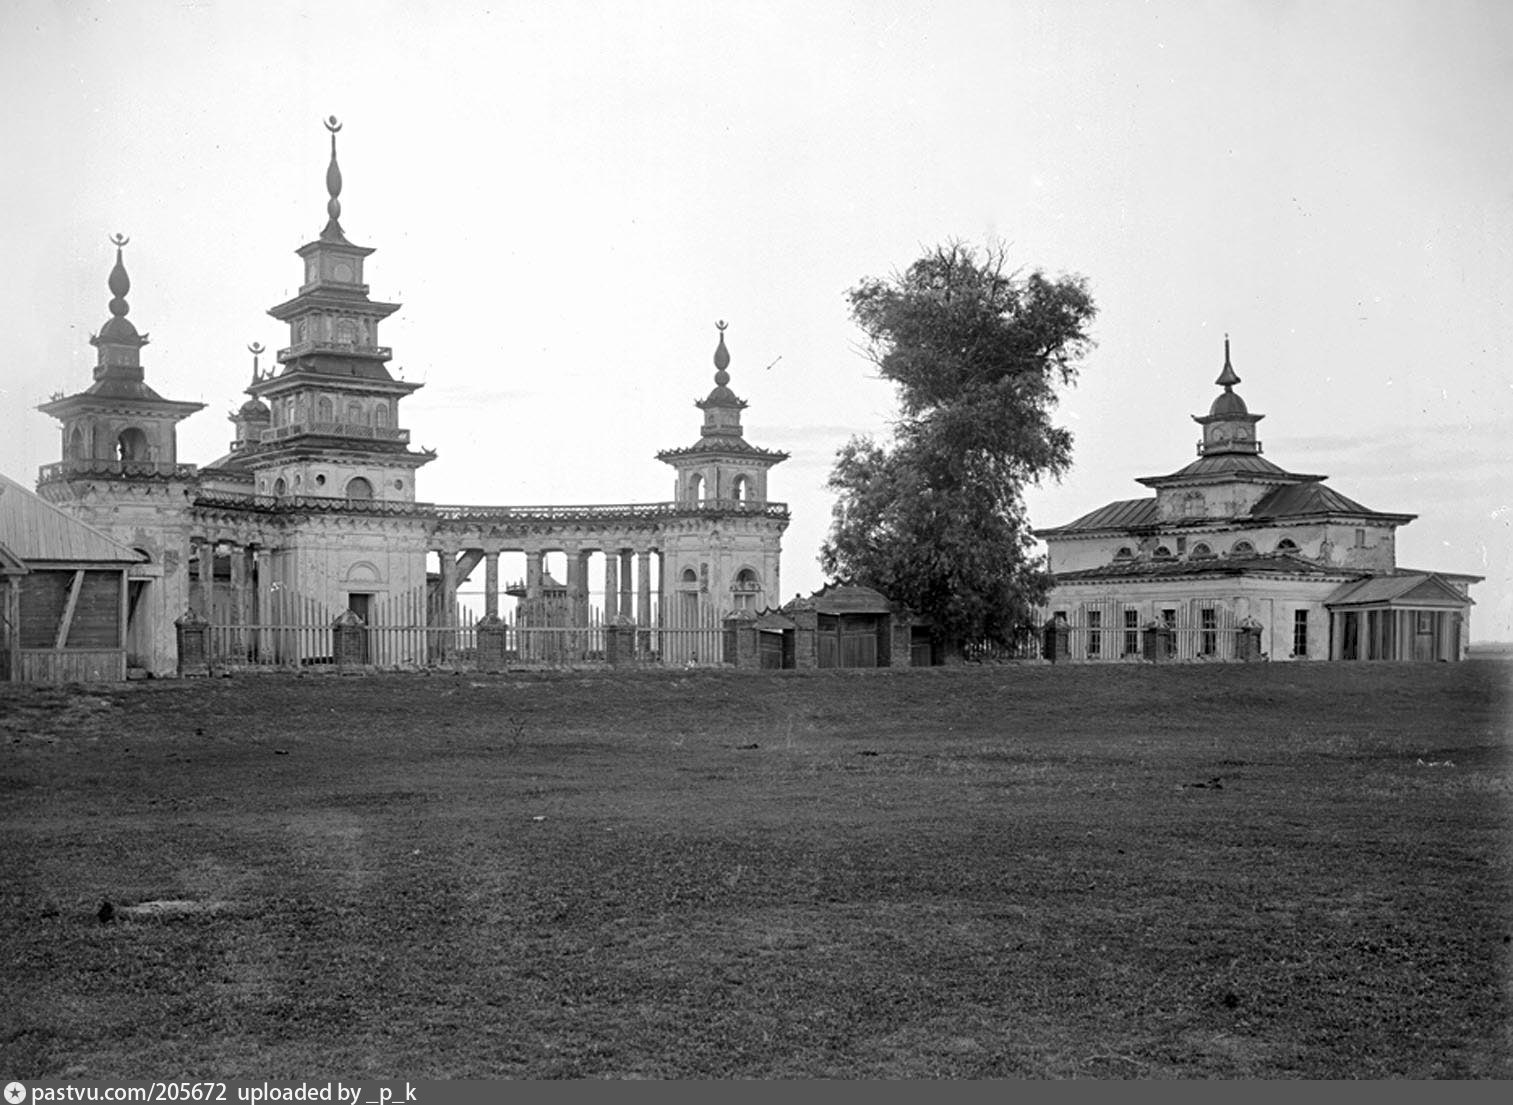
[313, 514]
[1234, 557]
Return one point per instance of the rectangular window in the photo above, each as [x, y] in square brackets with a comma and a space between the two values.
[1131, 632]
[1209, 621]
[1300, 633]
[1169, 618]
[1360, 539]
[1424, 623]
[1094, 633]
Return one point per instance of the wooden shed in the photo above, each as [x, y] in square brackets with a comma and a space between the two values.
[63, 594]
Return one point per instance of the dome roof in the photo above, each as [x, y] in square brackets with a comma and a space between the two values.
[1228, 403]
[255, 409]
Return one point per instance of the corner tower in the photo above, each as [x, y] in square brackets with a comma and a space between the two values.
[334, 430]
[118, 427]
[722, 547]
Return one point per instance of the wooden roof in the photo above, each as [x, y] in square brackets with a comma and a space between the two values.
[33, 530]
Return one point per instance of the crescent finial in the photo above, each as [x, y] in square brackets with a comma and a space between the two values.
[255, 348]
[720, 325]
[118, 240]
[332, 123]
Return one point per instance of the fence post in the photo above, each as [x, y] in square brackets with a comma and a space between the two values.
[348, 636]
[1058, 635]
[491, 645]
[806, 626]
[741, 645]
[192, 633]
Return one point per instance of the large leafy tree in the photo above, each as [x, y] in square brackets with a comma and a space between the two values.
[935, 517]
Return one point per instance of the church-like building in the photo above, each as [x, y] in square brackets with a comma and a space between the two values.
[315, 511]
[1234, 557]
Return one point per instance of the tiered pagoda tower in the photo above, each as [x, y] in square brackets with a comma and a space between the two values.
[335, 429]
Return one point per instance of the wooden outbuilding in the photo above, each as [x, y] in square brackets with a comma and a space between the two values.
[64, 594]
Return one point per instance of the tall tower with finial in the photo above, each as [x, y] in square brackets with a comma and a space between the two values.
[118, 427]
[722, 551]
[334, 431]
[120, 473]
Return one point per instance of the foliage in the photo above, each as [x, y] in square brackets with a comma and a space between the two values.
[936, 518]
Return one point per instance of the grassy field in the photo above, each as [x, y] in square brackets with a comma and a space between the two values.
[1247, 870]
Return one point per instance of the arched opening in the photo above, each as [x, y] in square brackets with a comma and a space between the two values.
[695, 487]
[359, 489]
[1124, 553]
[740, 489]
[354, 413]
[324, 411]
[279, 486]
[381, 415]
[1242, 548]
[1163, 553]
[75, 448]
[745, 589]
[1201, 551]
[1287, 545]
[131, 445]
[688, 599]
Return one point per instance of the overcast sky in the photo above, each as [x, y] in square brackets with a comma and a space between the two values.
[566, 196]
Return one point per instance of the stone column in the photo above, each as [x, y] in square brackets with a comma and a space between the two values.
[611, 583]
[626, 595]
[446, 617]
[577, 587]
[643, 587]
[491, 584]
[240, 603]
[262, 610]
[205, 580]
[533, 574]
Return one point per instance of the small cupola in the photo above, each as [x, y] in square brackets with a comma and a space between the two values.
[1229, 427]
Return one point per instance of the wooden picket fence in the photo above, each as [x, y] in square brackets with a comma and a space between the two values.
[403, 633]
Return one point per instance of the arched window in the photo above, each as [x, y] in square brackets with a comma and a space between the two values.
[1163, 553]
[381, 415]
[354, 413]
[1243, 548]
[1201, 551]
[1287, 545]
[279, 487]
[76, 445]
[359, 489]
[695, 488]
[324, 411]
[131, 445]
[346, 332]
[746, 588]
[1124, 553]
[689, 578]
[740, 489]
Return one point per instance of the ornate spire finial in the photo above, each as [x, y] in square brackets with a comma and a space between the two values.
[256, 349]
[333, 186]
[1228, 378]
[119, 283]
[721, 357]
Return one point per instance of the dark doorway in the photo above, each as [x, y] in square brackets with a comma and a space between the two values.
[361, 604]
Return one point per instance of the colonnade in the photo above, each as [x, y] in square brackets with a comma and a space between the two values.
[628, 581]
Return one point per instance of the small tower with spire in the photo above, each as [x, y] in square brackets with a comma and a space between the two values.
[118, 427]
[1228, 427]
[721, 550]
[253, 416]
[721, 467]
[334, 428]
